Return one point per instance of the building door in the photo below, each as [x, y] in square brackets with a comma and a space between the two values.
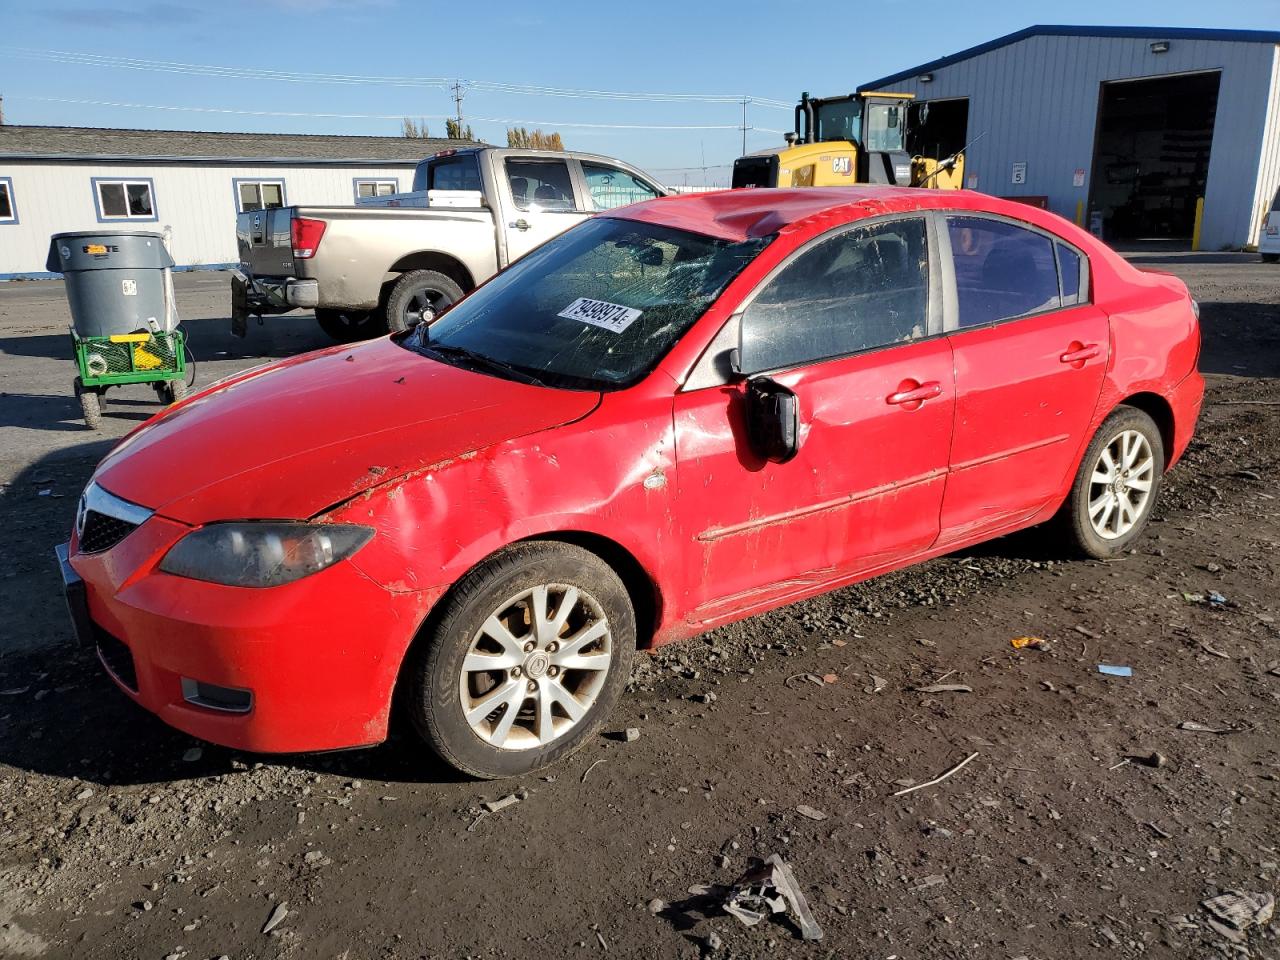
[1151, 155]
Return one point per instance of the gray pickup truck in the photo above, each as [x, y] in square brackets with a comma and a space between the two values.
[394, 262]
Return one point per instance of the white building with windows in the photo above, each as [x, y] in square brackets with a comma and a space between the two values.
[56, 179]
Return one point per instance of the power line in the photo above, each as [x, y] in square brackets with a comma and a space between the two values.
[375, 116]
[290, 76]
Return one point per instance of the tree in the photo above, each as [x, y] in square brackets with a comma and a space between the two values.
[415, 131]
[456, 131]
[533, 140]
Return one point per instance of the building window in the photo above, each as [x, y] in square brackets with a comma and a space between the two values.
[376, 188]
[259, 194]
[124, 199]
[8, 207]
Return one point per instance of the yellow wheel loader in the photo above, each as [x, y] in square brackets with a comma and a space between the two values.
[858, 138]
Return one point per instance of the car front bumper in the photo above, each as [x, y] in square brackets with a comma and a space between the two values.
[306, 666]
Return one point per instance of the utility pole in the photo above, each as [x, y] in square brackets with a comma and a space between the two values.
[1, 110]
[457, 103]
[744, 126]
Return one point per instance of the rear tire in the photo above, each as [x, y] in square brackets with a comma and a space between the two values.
[1271, 258]
[1116, 486]
[549, 689]
[419, 296]
[90, 405]
[347, 326]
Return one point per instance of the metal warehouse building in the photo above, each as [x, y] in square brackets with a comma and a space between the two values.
[79, 178]
[1127, 130]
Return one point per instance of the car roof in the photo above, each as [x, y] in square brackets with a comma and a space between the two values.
[743, 214]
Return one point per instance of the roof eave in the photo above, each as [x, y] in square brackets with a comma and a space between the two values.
[1067, 30]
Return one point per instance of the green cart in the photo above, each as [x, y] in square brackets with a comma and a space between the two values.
[154, 358]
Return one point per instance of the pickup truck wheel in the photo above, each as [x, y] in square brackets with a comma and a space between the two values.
[529, 655]
[417, 297]
[348, 326]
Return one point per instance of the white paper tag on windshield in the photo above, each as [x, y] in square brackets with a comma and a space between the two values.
[601, 313]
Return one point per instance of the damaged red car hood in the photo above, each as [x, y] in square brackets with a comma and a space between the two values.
[294, 439]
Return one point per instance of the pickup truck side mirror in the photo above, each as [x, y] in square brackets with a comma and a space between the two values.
[773, 420]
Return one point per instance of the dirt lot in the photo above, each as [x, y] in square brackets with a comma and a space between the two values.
[121, 838]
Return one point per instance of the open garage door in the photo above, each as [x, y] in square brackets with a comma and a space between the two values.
[1151, 155]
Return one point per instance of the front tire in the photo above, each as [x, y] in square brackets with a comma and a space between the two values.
[1116, 487]
[1271, 258]
[348, 326]
[90, 405]
[530, 653]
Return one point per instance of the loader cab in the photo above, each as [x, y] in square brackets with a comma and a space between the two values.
[874, 123]
[858, 138]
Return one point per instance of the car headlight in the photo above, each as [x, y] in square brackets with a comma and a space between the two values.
[262, 554]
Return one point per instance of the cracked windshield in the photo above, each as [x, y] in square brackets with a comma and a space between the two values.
[593, 309]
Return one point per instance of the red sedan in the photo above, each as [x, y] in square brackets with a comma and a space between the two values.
[674, 415]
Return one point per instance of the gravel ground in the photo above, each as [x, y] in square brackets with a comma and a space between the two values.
[1090, 820]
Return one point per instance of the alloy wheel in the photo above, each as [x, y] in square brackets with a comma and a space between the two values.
[535, 667]
[423, 306]
[1120, 485]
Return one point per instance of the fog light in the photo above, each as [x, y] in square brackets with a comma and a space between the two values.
[213, 697]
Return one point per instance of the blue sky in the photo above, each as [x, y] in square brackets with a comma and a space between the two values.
[769, 50]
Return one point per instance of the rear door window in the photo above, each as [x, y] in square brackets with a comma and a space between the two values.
[610, 187]
[861, 289]
[540, 184]
[1002, 271]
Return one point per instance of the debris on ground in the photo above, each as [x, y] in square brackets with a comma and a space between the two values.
[493, 806]
[631, 735]
[1235, 912]
[938, 779]
[590, 768]
[1153, 759]
[1115, 671]
[945, 688]
[811, 813]
[876, 685]
[192, 755]
[809, 677]
[1029, 643]
[277, 917]
[1194, 727]
[767, 889]
[1213, 651]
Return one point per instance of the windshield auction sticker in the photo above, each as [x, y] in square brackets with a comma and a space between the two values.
[601, 313]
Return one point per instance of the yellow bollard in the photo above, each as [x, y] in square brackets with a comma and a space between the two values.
[1195, 231]
[1079, 213]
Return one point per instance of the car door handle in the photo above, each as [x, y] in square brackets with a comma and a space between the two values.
[1079, 353]
[917, 395]
[521, 224]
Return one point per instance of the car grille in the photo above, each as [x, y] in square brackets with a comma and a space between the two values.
[102, 532]
[116, 657]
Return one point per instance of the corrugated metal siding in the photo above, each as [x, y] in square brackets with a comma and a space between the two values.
[1037, 102]
[1269, 160]
[196, 200]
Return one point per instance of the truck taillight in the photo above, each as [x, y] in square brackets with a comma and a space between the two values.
[306, 236]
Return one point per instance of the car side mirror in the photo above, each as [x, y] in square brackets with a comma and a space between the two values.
[773, 420]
